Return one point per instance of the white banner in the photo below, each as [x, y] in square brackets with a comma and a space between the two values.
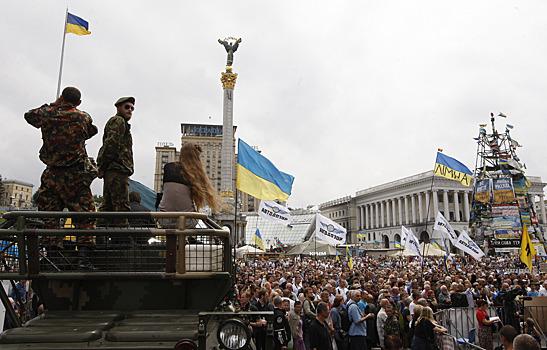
[274, 212]
[466, 244]
[329, 231]
[412, 244]
[441, 224]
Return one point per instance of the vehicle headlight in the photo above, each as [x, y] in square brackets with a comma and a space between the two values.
[233, 334]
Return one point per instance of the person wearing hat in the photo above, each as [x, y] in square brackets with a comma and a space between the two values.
[115, 159]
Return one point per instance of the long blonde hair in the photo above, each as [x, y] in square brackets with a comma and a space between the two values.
[427, 313]
[194, 172]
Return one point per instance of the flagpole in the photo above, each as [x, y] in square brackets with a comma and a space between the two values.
[62, 55]
[236, 233]
[427, 215]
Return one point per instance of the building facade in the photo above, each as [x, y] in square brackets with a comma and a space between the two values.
[209, 137]
[413, 202]
[17, 194]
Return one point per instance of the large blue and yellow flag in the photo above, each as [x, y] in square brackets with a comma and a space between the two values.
[257, 239]
[258, 177]
[452, 169]
[76, 25]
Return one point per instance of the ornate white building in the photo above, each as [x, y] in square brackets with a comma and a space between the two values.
[413, 202]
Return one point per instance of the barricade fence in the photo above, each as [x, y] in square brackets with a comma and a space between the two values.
[459, 321]
[38, 243]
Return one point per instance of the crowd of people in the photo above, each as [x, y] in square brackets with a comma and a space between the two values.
[387, 302]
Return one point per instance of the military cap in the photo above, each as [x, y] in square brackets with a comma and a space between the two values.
[124, 99]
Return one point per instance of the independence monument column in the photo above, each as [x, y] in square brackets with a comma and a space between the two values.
[228, 80]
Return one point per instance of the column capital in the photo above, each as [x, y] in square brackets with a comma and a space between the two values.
[228, 80]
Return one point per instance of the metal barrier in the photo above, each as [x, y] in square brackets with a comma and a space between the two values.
[115, 243]
[538, 314]
[459, 321]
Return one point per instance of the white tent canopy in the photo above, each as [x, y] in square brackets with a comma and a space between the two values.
[430, 250]
[312, 247]
[247, 249]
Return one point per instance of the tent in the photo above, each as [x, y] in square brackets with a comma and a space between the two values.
[430, 250]
[313, 248]
[247, 249]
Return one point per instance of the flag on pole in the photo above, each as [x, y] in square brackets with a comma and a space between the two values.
[436, 245]
[279, 244]
[412, 244]
[527, 251]
[441, 224]
[275, 212]
[398, 245]
[329, 231]
[258, 177]
[257, 239]
[76, 25]
[404, 235]
[452, 169]
[349, 258]
[376, 242]
[466, 244]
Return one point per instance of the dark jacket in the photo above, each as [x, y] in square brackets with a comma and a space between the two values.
[282, 329]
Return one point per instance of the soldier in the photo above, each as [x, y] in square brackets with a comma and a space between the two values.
[65, 130]
[282, 329]
[115, 160]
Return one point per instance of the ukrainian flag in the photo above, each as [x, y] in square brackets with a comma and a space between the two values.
[436, 245]
[257, 239]
[376, 242]
[398, 245]
[349, 258]
[76, 25]
[258, 177]
[452, 169]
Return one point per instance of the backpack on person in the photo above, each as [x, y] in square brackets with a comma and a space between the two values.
[345, 322]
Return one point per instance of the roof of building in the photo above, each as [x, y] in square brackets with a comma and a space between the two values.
[18, 182]
[271, 231]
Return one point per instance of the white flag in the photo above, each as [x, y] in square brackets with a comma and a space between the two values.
[329, 231]
[404, 235]
[274, 212]
[441, 224]
[412, 243]
[466, 244]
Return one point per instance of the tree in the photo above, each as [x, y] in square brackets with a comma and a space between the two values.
[97, 199]
[34, 198]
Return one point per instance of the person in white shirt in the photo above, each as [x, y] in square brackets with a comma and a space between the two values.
[342, 289]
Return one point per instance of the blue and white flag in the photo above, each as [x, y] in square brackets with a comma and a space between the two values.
[275, 212]
[466, 244]
[329, 231]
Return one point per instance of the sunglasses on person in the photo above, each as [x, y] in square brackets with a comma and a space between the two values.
[129, 107]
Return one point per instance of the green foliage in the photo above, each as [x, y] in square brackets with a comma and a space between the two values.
[34, 198]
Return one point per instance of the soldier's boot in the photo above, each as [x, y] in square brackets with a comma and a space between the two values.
[83, 259]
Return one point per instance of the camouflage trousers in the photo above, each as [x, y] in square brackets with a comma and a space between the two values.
[116, 194]
[63, 187]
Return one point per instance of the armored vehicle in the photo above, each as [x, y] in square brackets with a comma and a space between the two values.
[121, 281]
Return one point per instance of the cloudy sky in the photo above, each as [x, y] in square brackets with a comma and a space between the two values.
[344, 95]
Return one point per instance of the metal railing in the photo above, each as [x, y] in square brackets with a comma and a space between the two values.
[539, 315]
[459, 321]
[38, 244]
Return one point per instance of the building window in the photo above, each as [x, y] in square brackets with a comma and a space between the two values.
[440, 198]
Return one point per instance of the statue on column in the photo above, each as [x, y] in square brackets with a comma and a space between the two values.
[231, 45]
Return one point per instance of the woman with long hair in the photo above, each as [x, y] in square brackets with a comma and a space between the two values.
[186, 187]
[425, 327]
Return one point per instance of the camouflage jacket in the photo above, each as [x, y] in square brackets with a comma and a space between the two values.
[116, 152]
[64, 132]
[392, 326]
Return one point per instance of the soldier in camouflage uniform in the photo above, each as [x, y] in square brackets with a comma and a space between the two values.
[115, 160]
[392, 325]
[65, 130]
